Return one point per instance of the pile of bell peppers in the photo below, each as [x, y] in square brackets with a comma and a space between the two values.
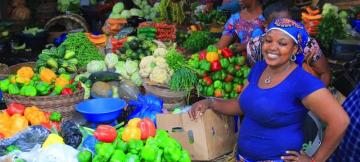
[222, 74]
[17, 117]
[28, 83]
[145, 144]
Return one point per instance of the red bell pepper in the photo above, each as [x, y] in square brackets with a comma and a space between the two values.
[215, 66]
[229, 78]
[237, 67]
[2, 136]
[105, 133]
[208, 80]
[66, 91]
[202, 55]
[15, 108]
[51, 124]
[226, 52]
[147, 128]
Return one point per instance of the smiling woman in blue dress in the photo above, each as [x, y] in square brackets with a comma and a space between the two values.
[276, 100]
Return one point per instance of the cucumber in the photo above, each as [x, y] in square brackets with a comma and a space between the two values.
[104, 76]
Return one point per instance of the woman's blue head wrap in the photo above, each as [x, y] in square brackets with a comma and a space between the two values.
[295, 30]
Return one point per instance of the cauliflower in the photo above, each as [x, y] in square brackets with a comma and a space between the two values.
[161, 62]
[160, 52]
[146, 65]
[159, 75]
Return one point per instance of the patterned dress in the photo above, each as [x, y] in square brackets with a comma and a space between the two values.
[349, 148]
[244, 29]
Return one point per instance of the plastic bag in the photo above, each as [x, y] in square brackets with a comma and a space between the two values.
[53, 153]
[26, 139]
[146, 106]
[128, 90]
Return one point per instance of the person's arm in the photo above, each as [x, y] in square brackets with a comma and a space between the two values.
[326, 107]
[224, 41]
[321, 67]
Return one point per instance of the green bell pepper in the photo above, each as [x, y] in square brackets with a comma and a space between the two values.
[228, 87]
[117, 156]
[223, 75]
[185, 156]
[210, 91]
[205, 65]
[161, 137]
[194, 63]
[149, 152]
[57, 90]
[4, 85]
[240, 60]
[230, 69]
[55, 116]
[211, 48]
[135, 146]
[121, 145]
[43, 88]
[104, 150]
[232, 60]
[218, 84]
[195, 57]
[132, 158]
[14, 89]
[159, 156]
[11, 148]
[98, 158]
[30, 90]
[172, 153]
[224, 62]
[84, 156]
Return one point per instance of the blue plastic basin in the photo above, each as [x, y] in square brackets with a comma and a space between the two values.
[102, 110]
[356, 25]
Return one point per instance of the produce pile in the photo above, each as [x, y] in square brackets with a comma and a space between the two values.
[198, 40]
[311, 18]
[164, 32]
[17, 117]
[136, 48]
[172, 11]
[138, 141]
[28, 83]
[214, 16]
[223, 74]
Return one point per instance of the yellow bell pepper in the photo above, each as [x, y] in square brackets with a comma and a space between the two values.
[18, 123]
[12, 79]
[52, 139]
[47, 75]
[212, 56]
[35, 115]
[62, 82]
[22, 80]
[25, 72]
[133, 122]
[131, 133]
[4, 124]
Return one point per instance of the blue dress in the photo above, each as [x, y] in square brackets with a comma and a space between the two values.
[273, 117]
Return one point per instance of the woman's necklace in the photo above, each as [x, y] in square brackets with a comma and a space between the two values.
[268, 79]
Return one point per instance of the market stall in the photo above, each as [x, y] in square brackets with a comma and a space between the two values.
[120, 89]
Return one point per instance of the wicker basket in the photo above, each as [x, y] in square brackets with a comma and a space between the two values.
[4, 71]
[170, 98]
[63, 104]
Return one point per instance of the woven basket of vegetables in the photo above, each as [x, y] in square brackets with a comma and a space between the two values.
[45, 89]
[63, 104]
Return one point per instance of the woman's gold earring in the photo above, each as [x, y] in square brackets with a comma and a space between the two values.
[293, 58]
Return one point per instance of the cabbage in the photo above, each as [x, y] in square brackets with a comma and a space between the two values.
[136, 79]
[131, 67]
[95, 66]
[111, 60]
[120, 69]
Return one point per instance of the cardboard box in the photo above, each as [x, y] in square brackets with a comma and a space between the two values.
[206, 138]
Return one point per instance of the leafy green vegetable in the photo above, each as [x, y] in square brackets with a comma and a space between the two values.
[84, 49]
[174, 59]
[197, 41]
[183, 79]
[330, 28]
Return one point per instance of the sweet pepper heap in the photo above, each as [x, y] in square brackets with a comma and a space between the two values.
[138, 141]
[17, 117]
[223, 74]
[28, 83]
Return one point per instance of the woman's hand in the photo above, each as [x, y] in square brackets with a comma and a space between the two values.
[296, 156]
[198, 108]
